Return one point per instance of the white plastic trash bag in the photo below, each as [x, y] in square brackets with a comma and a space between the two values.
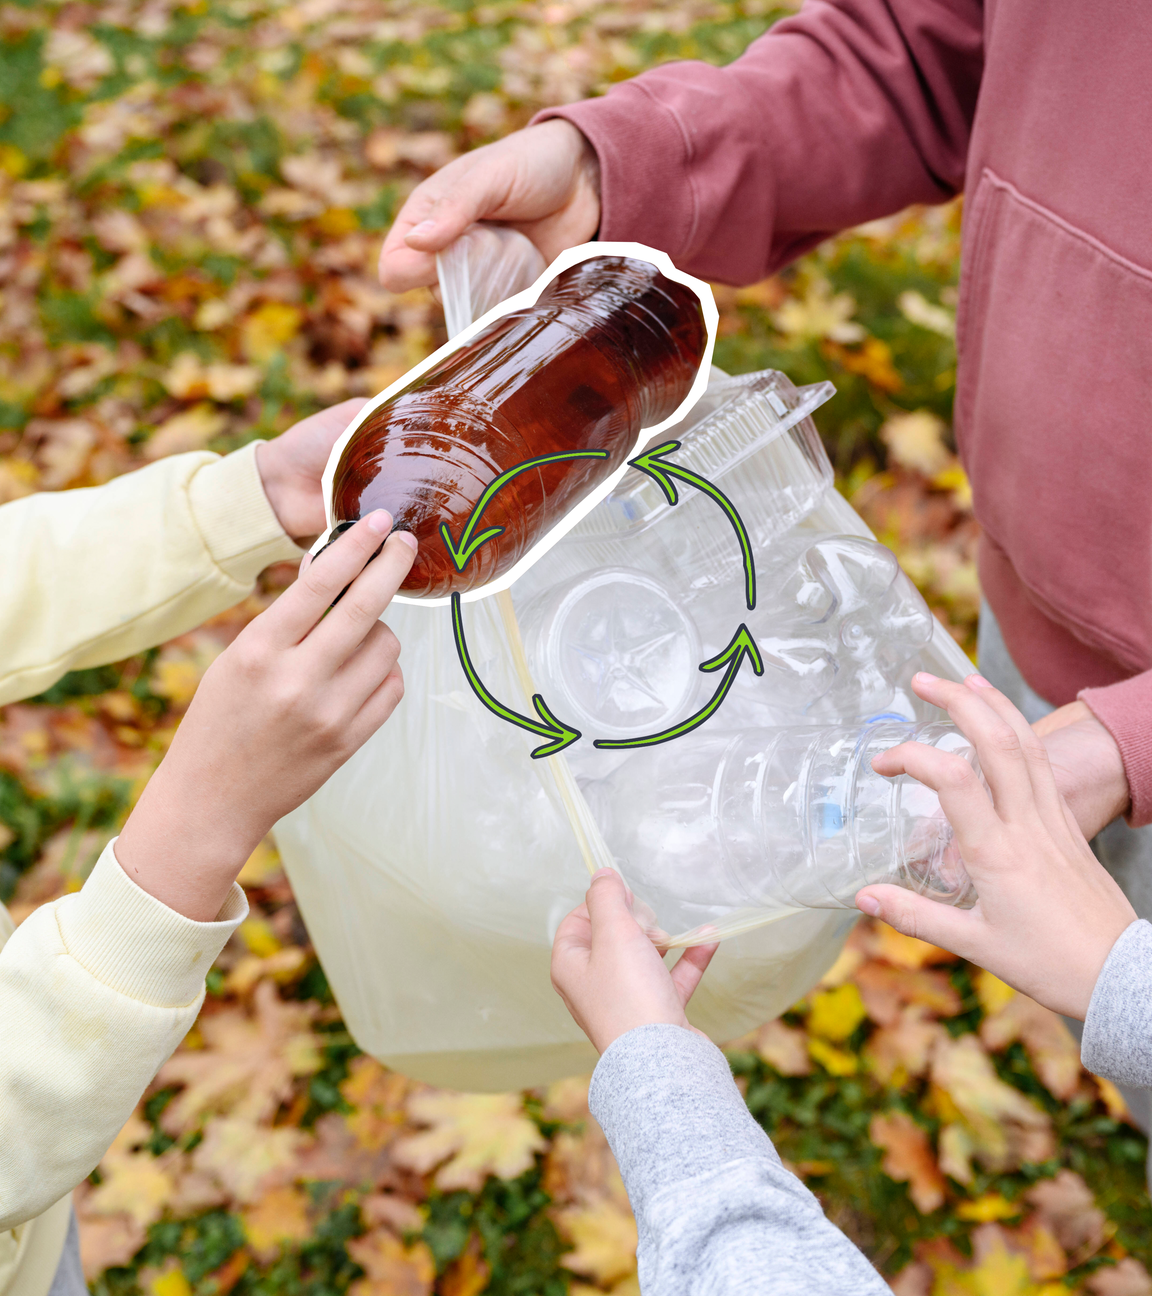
[433, 869]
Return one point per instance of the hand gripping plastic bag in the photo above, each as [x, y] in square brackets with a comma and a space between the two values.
[433, 869]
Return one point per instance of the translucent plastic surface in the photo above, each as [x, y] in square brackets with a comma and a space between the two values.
[433, 869]
[768, 820]
[611, 346]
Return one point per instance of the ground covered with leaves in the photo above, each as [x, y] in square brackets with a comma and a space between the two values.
[192, 198]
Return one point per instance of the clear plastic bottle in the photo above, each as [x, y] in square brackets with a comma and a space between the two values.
[790, 818]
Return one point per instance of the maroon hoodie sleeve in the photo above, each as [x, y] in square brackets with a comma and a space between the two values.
[847, 111]
[1125, 710]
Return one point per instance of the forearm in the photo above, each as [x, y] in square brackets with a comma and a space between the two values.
[844, 112]
[96, 991]
[94, 575]
[715, 1208]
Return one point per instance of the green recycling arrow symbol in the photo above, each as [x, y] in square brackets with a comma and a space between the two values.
[742, 645]
[461, 552]
[654, 464]
[559, 734]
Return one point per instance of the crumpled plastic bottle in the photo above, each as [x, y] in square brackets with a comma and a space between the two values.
[433, 869]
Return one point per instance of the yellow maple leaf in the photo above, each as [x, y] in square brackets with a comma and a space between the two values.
[819, 314]
[604, 1241]
[917, 441]
[999, 1272]
[473, 1135]
[992, 1206]
[279, 1216]
[378, 1096]
[241, 1154]
[136, 1183]
[836, 1013]
[835, 1061]
[268, 329]
[246, 1064]
[392, 1268]
[1006, 1128]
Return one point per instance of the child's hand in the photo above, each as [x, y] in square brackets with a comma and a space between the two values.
[279, 711]
[1047, 914]
[610, 975]
[543, 181]
[292, 464]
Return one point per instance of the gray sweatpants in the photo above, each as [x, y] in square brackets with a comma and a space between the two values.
[1125, 852]
[69, 1279]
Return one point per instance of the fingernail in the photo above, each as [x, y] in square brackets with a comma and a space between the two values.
[925, 678]
[304, 563]
[409, 539]
[977, 681]
[425, 227]
[868, 905]
[380, 521]
[604, 872]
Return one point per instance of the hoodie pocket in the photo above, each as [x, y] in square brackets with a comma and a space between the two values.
[1054, 415]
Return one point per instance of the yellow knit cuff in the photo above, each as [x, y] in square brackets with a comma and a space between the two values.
[135, 944]
[234, 517]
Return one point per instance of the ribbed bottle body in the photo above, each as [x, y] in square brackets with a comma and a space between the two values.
[611, 346]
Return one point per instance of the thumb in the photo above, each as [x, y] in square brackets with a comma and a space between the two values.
[607, 902]
[915, 915]
[476, 194]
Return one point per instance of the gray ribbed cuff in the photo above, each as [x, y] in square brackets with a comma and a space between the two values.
[135, 944]
[1117, 1040]
[670, 1109]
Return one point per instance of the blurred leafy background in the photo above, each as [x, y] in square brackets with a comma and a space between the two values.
[192, 198]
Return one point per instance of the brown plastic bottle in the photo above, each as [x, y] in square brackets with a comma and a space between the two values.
[610, 347]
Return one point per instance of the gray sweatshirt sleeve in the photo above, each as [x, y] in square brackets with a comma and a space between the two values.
[716, 1210]
[1117, 1040]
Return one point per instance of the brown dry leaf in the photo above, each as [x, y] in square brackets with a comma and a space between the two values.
[242, 1155]
[106, 1242]
[915, 1279]
[474, 1135]
[784, 1047]
[885, 990]
[604, 1241]
[398, 1213]
[392, 1268]
[1066, 1206]
[908, 1158]
[247, 1065]
[1005, 1128]
[896, 1053]
[1128, 1278]
[279, 1216]
[906, 951]
[378, 1096]
[1053, 1051]
[335, 1156]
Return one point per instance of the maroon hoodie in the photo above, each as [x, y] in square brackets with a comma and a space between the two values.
[1041, 111]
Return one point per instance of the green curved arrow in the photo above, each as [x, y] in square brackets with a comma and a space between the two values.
[741, 646]
[559, 734]
[469, 542]
[652, 462]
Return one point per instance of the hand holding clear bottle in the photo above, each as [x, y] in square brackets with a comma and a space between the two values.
[1047, 913]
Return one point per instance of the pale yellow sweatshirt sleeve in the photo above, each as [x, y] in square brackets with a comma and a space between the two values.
[92, 575]
[96, 991]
